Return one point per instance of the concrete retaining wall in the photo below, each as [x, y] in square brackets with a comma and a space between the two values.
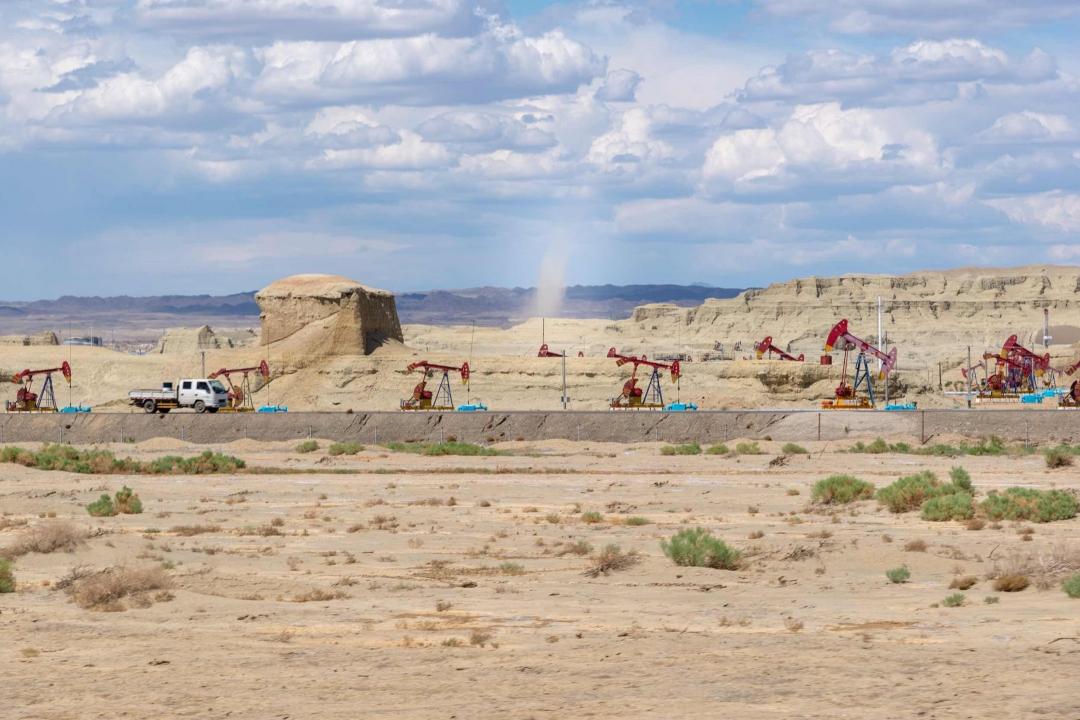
[703, 427]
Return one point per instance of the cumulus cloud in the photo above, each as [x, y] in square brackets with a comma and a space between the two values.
[480, 130]
[1056, 210]
[313, 18]
[410, 152]
[1028, 126]
[923, 16]
[816, 141]
[916, 73]
[425, 69]
[619, 86]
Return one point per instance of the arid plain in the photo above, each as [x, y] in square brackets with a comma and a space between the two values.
[396, 585]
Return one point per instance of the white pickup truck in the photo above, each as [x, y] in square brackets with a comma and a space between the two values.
[199, 394]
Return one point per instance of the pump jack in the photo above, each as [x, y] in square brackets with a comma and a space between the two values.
[26, 400]
[545, 351]
[240, 396]
[441, 399]
[632, 397]
[766, 346]
[847, 396]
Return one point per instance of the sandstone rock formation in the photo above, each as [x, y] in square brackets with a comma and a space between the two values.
[46, 337]
[188, 340]
[356, 319]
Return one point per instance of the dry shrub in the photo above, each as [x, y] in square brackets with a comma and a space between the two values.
[975, 524]
[916, 546]
[1046, 566]
[46, 538]
[610, 559]
[963, 583]
[480, 638]
[190, 530]
[104, 590]
[318, 595]
[1011, 583]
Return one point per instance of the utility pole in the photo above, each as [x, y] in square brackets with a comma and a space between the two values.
[880, 338]
[203, 353]
[968, 374]
[565, 399]
[1046, 328]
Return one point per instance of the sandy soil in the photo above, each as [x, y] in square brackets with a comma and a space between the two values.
[471, 609]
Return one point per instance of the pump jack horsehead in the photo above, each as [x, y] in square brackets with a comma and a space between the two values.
[847, 396]
[26, 400]
[634, 398]
[240, 396]
[441, 399]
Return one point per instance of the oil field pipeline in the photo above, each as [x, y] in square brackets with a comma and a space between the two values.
[1018, 425]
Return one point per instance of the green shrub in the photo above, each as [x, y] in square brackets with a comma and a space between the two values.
[718, 449]
[636, 520]
[307, 446]
[450, 447]
[1071, 586]
[898, 575]
[841, 489]
[960, 478]
[1029, 504]
[954, 506]
[909, 493]
[1060, 456]
[345, 448]
[7, 577]
[592, 517]
[207, 463]
[697, 547]
[940, 450]
[684, 449]
[954, 600]
[127, 502]
[102, 507]
[793, 449]
[748, 448]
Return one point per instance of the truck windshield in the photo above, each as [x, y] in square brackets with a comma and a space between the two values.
[216, 386]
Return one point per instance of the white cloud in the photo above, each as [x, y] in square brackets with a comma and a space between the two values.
[1055, 210]
[312, 18]
[619, 86]
[411, 152]
[816, 140]
[629, 142]
[426, 69]
[923, 16]
[1028, 126]
[916, 73]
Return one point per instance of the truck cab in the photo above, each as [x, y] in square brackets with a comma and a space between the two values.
[202, 394]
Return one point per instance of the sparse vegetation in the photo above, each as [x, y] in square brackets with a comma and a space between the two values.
[46, 538]
[636, 520]
[684, 449]
[344, 448]
[954, 600]
[308, 446]
[126, 503]
[841, 489]
[964, 582]
[592, 517]
[66, 458]
[698, 548]
[7, 576]
[915, 546]
[910, 492]
[793, 449]
[1071, 585]
[1058, 457]
[1017, 503]
[102, 507]
[105, 589]
[192, 530]
[449, 447]
[718, 449]
[898, 575]
[610, 559]
[748, 448]
[954, 506]
[1011, 583]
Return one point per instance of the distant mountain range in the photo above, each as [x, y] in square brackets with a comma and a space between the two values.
[126, 315]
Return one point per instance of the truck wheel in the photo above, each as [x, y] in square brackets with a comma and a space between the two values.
[200, 407]
[211, 410]
[149, 406]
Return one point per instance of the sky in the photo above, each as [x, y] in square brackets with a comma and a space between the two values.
[212, 146]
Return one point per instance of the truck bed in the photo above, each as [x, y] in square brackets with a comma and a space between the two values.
[152, 395]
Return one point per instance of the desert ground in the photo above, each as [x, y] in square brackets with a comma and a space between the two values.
[395, 585]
